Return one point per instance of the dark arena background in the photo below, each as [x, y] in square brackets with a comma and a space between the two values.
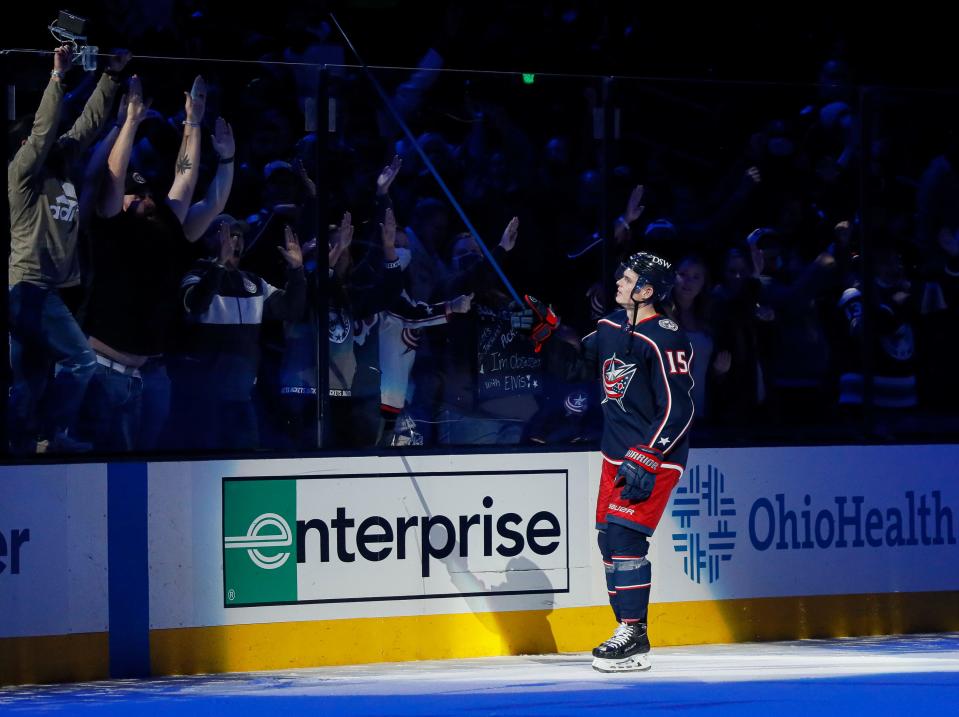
[241, 471]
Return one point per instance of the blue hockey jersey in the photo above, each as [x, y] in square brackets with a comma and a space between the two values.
[647, 384]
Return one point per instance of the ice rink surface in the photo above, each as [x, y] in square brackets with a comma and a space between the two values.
[904, 675]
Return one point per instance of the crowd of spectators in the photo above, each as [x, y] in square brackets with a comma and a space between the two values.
[176, 238]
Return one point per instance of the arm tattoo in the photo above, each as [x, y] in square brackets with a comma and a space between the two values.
[183, 164]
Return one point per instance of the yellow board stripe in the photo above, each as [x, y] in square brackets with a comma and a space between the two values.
[236, 648]
[272, 646]
[56, 658]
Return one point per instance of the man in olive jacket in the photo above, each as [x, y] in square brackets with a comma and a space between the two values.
[44, 223]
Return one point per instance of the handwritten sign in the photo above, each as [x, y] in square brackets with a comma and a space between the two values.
[507, 364]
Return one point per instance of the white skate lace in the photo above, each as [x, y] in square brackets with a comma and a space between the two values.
[621, 636]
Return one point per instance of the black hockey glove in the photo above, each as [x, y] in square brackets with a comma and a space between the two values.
[638, 471]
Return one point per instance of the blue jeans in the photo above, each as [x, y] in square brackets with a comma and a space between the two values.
[125, 411]
[44, 336]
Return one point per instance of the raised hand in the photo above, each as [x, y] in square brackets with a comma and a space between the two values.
[343, 237]
[62, 59]
[344, 233]
[388, 174]
[228, 245]
[136, 110]
[635, 206]
[291, 251]
[461, 304]
[222, 139]
[509, 234]
[304, 176]
[545, 322]
[755, 253]
[722, 362]
[195, 102]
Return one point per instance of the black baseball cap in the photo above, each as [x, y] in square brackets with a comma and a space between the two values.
[138, 183]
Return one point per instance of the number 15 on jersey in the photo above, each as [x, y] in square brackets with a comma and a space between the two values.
[678, 362]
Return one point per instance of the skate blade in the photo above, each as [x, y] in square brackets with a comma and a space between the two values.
[636, 663]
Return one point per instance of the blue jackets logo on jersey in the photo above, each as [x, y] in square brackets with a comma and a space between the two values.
[616, 377]
[340, 326]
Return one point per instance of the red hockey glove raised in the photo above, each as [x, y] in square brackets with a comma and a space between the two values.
[545, 321]
[638, 470]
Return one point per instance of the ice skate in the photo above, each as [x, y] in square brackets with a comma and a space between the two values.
[625, 651]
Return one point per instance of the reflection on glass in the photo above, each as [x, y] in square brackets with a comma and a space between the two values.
[214, 265]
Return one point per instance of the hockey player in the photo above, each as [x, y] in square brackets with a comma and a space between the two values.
[645, 361]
